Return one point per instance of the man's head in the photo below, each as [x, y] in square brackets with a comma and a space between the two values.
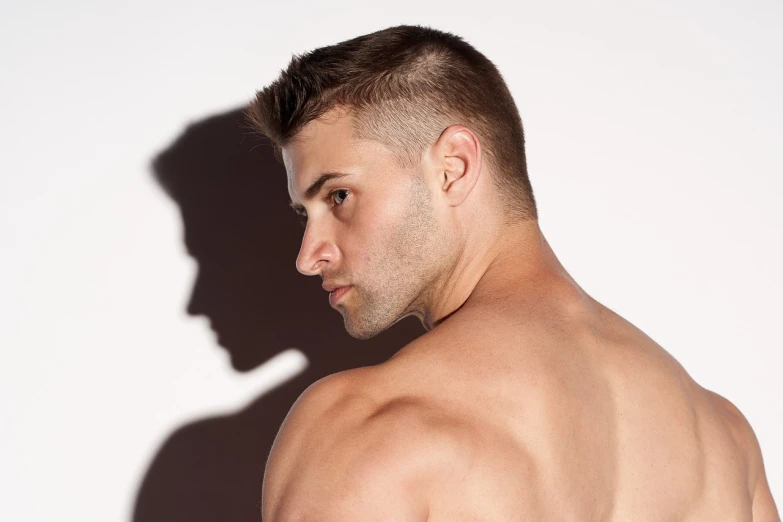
[414, 116]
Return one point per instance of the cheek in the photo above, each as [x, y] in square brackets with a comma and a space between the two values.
[375, 232]
[372, 221]
[391, 212]
[368, 242]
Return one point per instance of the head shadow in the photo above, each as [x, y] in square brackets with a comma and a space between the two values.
[231, 191]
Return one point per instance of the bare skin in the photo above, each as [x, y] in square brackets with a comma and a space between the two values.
[526, 400]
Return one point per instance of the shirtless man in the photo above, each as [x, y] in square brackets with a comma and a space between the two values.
[526, 399]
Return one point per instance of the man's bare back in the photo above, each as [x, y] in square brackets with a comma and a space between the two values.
[526, 400]
[552, 414]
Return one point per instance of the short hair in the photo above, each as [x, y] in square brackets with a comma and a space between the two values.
[405, 85]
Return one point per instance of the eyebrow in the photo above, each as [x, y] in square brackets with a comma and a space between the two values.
[315, 188]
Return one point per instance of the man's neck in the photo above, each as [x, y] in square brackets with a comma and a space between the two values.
[519, 261]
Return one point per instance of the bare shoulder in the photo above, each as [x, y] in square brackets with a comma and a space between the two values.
[764, 508]
[306, 414]
[341, 454]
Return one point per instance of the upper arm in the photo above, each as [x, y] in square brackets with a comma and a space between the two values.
[764, 509]
[285, 454]
[331, 463]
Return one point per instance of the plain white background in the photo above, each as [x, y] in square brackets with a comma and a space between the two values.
[654, 141]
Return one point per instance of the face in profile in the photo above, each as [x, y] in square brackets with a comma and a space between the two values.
[373, 227]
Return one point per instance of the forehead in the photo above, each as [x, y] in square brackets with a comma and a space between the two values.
[325, 144]
[328, 145]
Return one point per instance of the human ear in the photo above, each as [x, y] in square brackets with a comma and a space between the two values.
[460, 152]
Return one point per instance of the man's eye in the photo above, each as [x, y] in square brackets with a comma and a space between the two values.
[303, 217]
[331, 196]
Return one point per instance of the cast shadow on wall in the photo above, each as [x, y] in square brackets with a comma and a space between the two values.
[233, 197]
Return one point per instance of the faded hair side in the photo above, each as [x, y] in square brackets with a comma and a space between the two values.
[404, 86]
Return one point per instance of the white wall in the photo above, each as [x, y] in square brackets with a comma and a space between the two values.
[654, 141]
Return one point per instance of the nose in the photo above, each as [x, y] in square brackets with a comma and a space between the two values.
[315, 254]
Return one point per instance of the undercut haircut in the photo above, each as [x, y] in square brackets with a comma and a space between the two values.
[404, 86]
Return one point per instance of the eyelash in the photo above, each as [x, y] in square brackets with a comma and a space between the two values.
[303, 218]
[332, 193]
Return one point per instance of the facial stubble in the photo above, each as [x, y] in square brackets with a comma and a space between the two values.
[406, 262]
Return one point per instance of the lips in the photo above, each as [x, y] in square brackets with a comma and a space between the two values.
[329, 287]
[336, 294]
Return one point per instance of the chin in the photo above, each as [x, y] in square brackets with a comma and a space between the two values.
[365, 333]
[361, 336]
